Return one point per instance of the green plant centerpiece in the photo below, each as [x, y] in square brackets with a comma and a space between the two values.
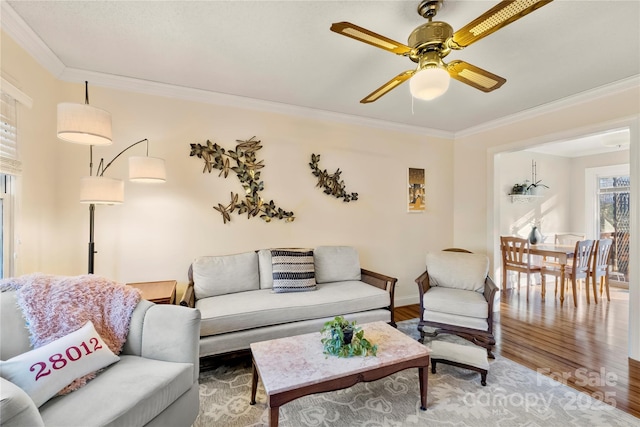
[344, 339]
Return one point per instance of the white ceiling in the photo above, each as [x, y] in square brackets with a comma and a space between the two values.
[615, 140]
[283, 52]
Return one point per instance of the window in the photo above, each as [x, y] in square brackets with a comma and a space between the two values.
[613, 221]
[10, 168]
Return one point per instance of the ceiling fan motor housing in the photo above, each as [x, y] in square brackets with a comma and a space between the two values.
[431, 36]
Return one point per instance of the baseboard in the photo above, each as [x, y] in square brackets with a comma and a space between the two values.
[402, 301]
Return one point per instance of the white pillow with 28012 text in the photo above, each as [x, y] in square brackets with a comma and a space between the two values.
[44, 371]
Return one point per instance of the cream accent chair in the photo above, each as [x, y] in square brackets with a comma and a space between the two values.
[457, 296]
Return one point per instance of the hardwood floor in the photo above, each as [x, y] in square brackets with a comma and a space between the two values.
[584, 347]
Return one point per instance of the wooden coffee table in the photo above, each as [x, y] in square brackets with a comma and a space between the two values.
[294, 367]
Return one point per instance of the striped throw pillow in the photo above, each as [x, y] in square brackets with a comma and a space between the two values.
[293, 271]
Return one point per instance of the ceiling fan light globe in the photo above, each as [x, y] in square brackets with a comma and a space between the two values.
[429, 83]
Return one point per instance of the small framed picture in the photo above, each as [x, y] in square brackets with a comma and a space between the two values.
[416, 190]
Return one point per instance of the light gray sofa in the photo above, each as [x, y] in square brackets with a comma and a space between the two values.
[155, 382]
[234, 294]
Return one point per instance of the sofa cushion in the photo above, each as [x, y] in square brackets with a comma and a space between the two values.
[44, 371]
[135, 389]
[16, 407]
[266, 269]
[16, 342]
[456, 320]
[292, 271]
[336, 264]
[457, 270]
[219, 275]
[456, 302]
[246, 310]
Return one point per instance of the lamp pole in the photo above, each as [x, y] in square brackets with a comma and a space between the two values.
[92, 206]
[92, 251]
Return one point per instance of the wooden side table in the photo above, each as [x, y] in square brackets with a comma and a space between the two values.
[162, 292]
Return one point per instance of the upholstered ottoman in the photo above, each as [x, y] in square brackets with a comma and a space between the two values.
[462, 356]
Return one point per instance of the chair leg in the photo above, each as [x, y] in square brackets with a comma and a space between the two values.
[586, 287]
[606, 285]
[595, 288]
[543, 286]
[575, 297]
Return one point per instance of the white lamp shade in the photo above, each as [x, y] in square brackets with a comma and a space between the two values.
[101, 191]
[429, 83]
[147, 169]
[84, 124]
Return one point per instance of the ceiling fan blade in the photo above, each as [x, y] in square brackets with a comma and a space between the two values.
[350, 30]
[388, 86]
[474, 76]
[501, 15]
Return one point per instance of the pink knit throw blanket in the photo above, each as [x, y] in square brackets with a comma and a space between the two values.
[55, 306]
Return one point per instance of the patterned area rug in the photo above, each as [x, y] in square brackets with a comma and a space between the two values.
[514, 396]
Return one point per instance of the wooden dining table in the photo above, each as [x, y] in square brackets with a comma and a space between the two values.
[561, 253]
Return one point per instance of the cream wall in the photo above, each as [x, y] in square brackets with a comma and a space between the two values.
[37, 215]
[561, 209]
[159, 229]
[550, 212]
[578, 167]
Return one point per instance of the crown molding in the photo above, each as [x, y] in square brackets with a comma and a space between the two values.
[551, 107]
[14, 26]
[147, 87]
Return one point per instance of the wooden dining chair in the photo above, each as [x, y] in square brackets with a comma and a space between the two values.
[578, 269]
[599, 267]
[562, 239]
[516, 257]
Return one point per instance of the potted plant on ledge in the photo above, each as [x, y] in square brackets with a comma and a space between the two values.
[534, 189]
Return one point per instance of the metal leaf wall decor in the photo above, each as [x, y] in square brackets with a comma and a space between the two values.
[247, 169]
[332, 184]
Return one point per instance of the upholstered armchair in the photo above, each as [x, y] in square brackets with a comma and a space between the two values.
[456, 297]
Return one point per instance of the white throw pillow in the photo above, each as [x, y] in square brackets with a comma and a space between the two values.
[44, 371]
[227, 274]
[458, 270]
[336, 264]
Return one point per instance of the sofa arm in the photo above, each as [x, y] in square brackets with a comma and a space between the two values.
[490, 290]
[165, 332]
[381, 281]
[189, 297]
[423, 283]
[16, 407]
[378, 280]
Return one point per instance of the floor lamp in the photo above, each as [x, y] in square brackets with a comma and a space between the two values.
[84, 124]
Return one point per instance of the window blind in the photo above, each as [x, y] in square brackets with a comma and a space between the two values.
[9, 163]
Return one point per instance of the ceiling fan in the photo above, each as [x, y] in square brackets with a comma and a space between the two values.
[429, 43]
